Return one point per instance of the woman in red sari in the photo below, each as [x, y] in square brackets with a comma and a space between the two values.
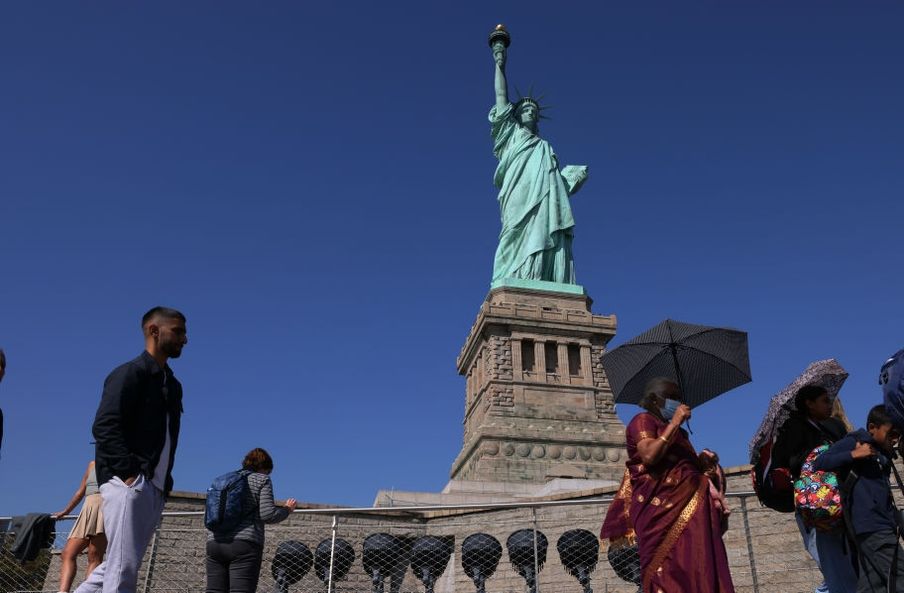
[677, 520]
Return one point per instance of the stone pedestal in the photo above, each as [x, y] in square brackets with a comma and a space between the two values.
[538, 405]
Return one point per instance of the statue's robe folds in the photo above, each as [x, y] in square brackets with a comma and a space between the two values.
[537, 224]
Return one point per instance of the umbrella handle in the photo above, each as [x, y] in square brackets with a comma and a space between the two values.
[674, 348]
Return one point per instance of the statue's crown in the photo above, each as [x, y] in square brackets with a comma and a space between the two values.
[526, 100]
[531, 99]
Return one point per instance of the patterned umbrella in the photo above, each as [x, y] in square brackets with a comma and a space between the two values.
[705, 361]
[826, 373]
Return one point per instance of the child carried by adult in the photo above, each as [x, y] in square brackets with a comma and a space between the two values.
[865, 457]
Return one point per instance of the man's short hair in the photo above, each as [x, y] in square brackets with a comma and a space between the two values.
[878, 416]
[164, 312]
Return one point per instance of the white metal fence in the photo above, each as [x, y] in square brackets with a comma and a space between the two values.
[483, 548]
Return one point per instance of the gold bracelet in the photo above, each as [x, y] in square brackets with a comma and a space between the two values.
[663, 439]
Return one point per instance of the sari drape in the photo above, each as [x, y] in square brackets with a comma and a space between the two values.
[677, 523]
[617, 525]
[622, 552]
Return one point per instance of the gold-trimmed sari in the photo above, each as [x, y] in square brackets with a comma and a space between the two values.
[676, 521]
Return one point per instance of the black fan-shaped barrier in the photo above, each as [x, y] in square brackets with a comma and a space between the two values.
[480, 554]
[380, 556]
[343, 557]
[579, 550]
[520, 546]
[625, 561]
[429, 558]
[291, 562]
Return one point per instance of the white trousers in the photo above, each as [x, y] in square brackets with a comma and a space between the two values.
[131, 514]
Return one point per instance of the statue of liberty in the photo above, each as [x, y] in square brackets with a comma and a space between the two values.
[537, 224]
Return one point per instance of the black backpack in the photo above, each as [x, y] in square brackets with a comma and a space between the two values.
[773, 485]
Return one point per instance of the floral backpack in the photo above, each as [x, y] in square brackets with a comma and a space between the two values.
[817, 495]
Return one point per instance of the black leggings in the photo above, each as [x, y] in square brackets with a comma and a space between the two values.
[233, 567]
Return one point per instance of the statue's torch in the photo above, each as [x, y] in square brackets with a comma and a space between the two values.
[499, 40]
[500, 35]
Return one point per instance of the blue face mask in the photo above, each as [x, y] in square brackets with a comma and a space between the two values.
[669, 408]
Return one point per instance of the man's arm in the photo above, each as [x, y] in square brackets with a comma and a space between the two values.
[108, 429]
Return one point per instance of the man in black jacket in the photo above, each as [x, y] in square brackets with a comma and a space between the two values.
[136, 430]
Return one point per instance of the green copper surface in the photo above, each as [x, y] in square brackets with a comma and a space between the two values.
[537, 224]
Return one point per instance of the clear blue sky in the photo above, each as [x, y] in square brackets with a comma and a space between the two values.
[311, 183]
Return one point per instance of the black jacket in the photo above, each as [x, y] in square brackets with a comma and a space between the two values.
[130, 425]
[34, 531]
[797, 437]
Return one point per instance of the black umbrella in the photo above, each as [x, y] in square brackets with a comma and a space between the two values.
[704, 361]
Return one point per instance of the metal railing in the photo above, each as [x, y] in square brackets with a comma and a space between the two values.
[538, 547]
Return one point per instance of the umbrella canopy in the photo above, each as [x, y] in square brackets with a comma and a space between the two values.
[704, 361]
[827, 374]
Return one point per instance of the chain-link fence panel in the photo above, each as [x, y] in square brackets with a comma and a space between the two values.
[550, 548]
[538, 548]
[483, 550]
[18, 575]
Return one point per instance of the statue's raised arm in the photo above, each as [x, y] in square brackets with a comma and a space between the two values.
[537, 225]
[499, 42]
